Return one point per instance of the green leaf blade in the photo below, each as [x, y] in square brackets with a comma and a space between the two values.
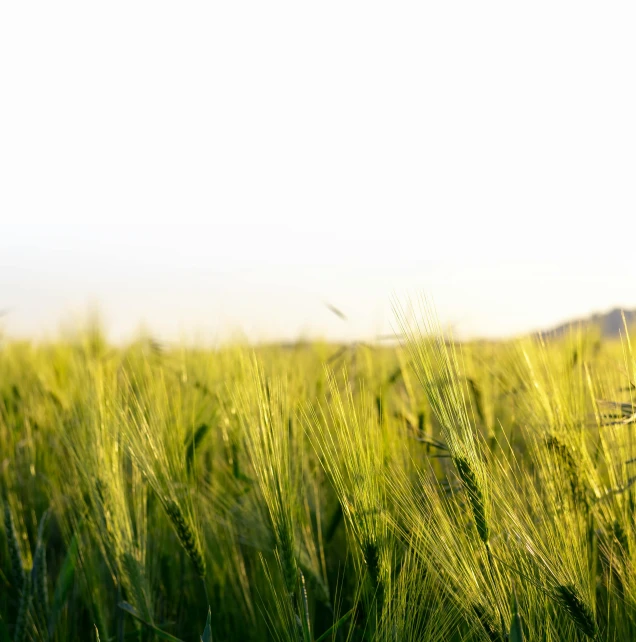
[207, 632]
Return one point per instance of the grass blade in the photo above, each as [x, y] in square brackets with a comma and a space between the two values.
[332, 629]
[516, 629]
[124, 606]
[207, 632]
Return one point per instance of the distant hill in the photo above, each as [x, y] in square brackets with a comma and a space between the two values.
[610, 323]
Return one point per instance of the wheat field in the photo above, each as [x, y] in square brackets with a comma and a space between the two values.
[424, 491]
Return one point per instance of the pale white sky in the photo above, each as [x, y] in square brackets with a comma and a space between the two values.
[209, 167]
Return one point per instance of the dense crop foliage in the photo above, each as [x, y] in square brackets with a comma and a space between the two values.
[426, 492]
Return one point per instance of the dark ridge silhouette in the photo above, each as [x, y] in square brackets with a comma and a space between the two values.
[610, 323]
